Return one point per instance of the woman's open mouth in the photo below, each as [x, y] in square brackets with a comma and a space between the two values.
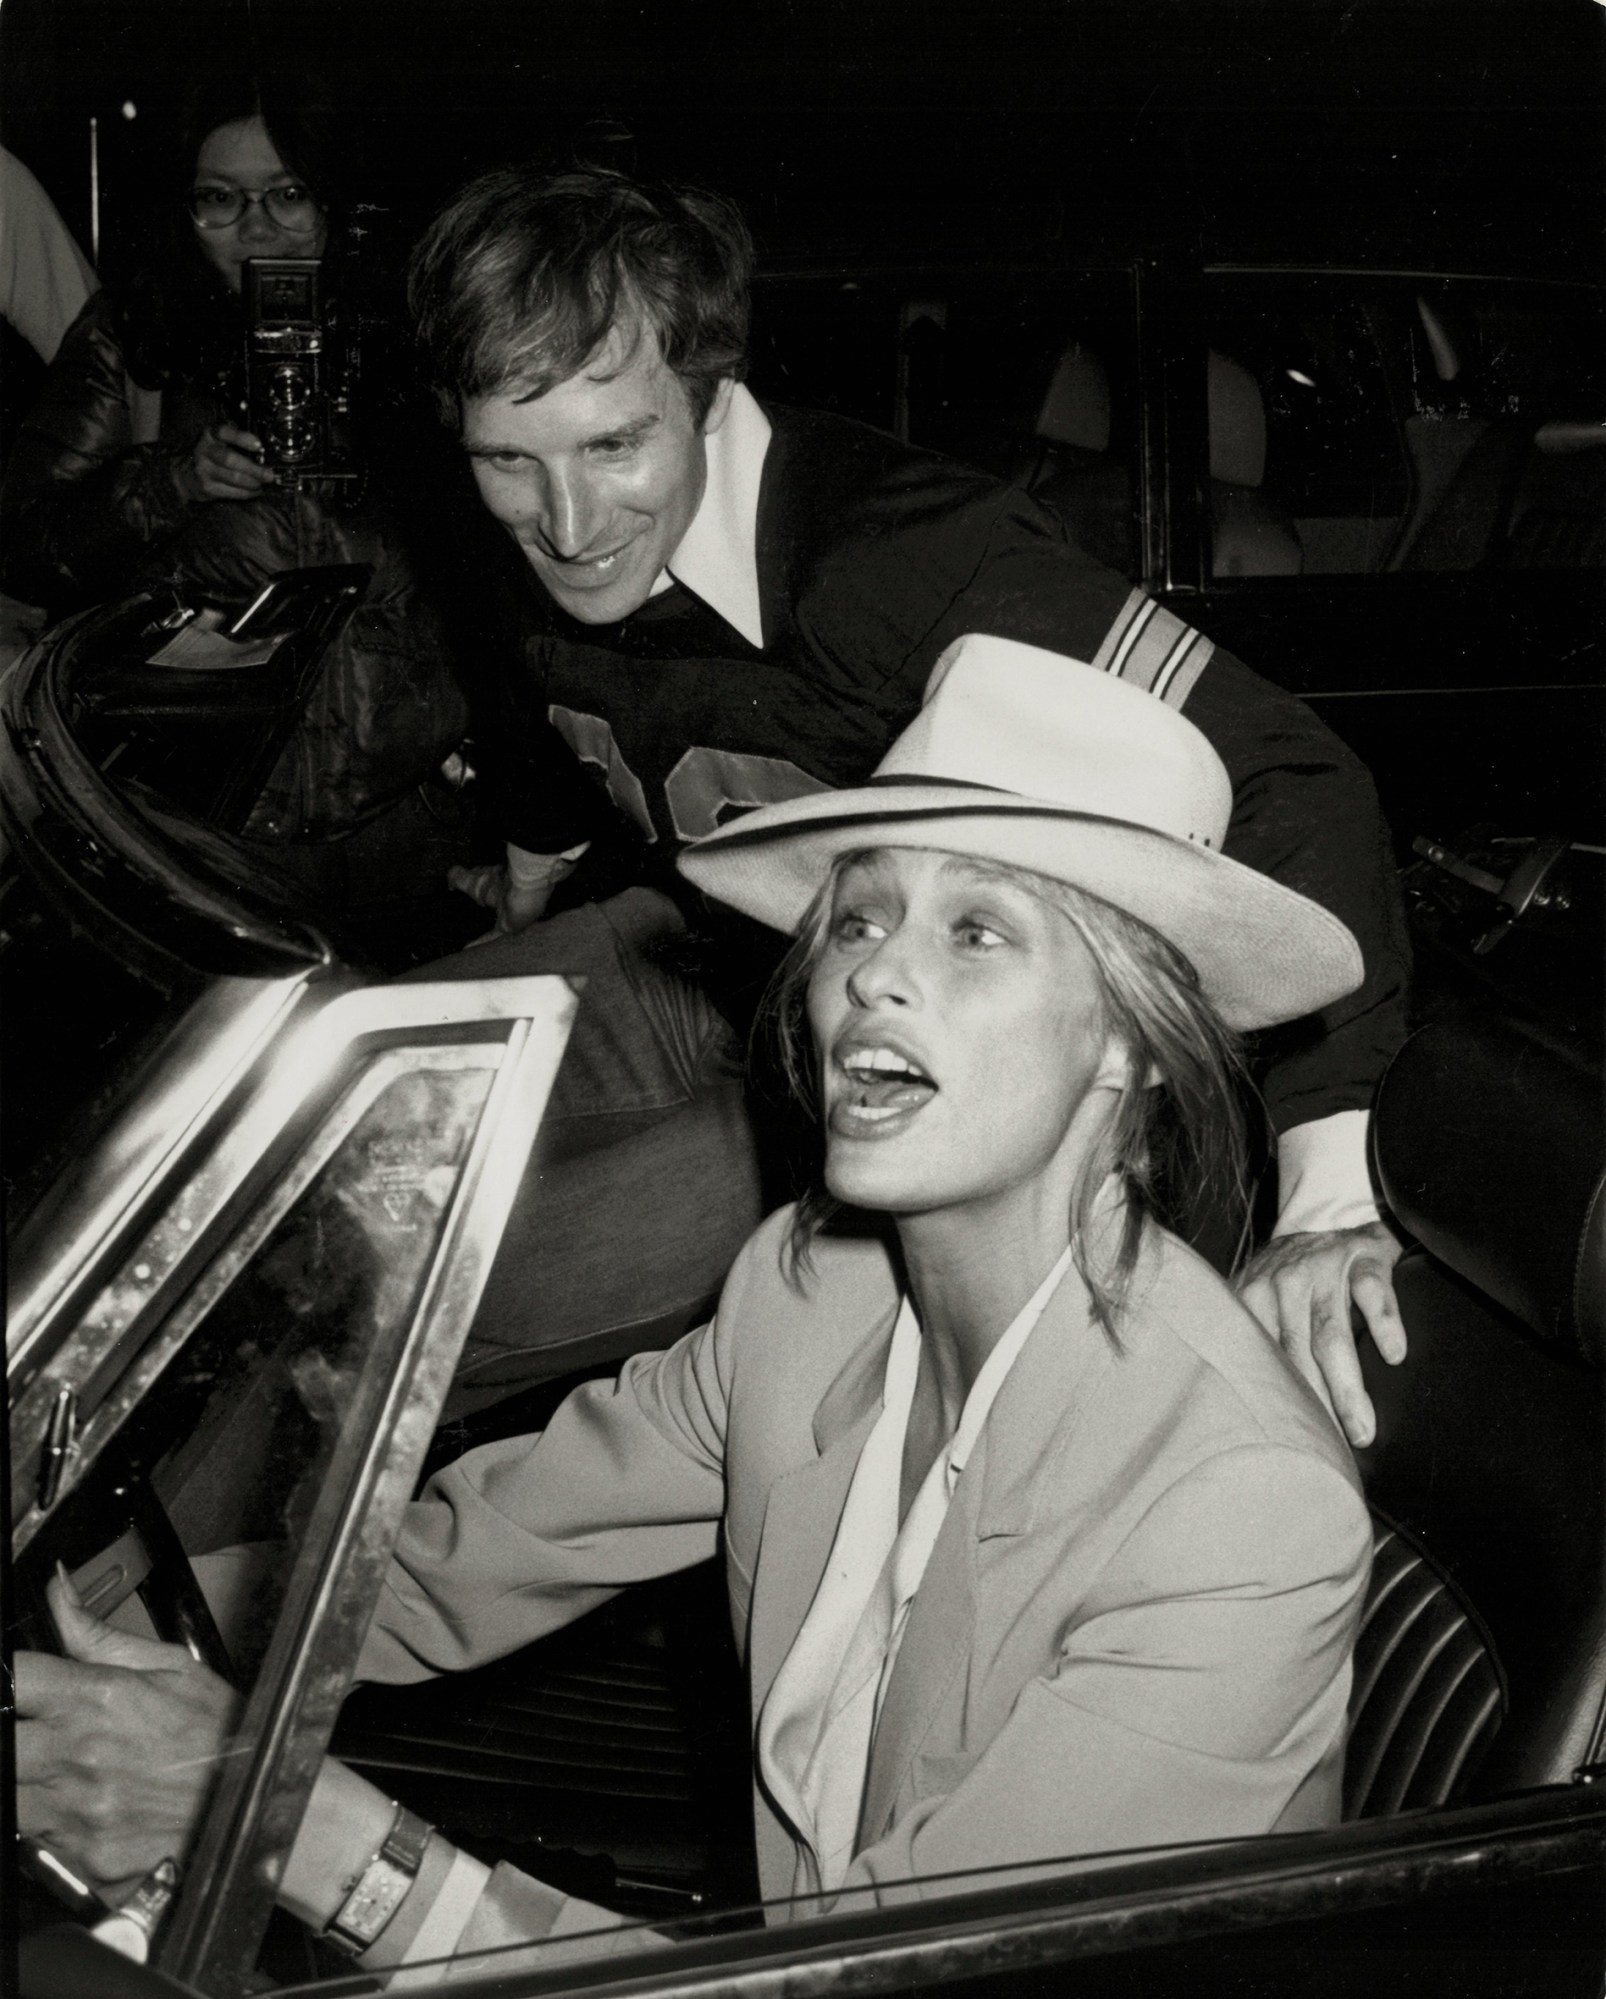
[884, 1090]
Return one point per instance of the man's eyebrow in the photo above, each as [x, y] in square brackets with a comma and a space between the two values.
[488, 447]
[619, 432]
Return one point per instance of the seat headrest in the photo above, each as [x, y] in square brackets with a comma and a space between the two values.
[1076, 409]
[1491, 1150]
[1237, 423]
[1562, 436]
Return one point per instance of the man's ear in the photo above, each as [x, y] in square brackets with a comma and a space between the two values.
[719, 408]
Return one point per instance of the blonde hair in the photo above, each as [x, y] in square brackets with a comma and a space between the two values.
[1176, 1136]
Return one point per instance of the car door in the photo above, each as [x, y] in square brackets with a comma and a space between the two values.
[1484, 1903]
[231, 1328]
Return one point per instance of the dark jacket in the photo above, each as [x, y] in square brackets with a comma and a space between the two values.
[87, 513]
[872, 558]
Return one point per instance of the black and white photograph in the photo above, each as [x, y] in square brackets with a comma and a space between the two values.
[803, 998]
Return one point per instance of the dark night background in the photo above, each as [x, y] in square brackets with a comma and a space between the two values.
[1463, 134]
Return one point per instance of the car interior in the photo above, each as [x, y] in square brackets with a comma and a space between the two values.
[613, 1759]
[1482, 1665]
[1073, 468]
[1504, 431]
[1349, 432]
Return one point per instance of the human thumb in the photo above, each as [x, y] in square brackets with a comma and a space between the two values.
[91, 1641]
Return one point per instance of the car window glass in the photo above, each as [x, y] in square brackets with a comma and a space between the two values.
[1357, 427]
[1506, 428]
[1036, 384]
[249, 1398]
[287, 1340]
[1308, 472]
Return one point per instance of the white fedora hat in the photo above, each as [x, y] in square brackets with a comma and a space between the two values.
[1025, 757]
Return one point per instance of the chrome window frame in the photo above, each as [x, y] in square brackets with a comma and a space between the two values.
[227, 1143]
[1122, 1905]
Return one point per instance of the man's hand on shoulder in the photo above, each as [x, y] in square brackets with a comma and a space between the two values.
[1301, 1288]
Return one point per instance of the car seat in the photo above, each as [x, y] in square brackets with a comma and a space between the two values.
[1557, 517]
[1072, 469]
[1481, 1664]
[1526, 496]
[1251, 534]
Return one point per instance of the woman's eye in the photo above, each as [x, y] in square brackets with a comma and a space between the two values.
[856, 926]
[213, 197]
[291, 196]
[973, 934]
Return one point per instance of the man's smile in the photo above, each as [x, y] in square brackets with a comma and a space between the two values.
[597, 478]
[578, 568]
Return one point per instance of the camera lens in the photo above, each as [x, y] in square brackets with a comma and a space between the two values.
[289, 389]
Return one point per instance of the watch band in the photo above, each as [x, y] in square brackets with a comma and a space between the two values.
[381, 1887]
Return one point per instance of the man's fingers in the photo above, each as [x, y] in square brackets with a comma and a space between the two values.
[1372, 1292]
[481, 884]
[1351, 1403]
[1259, 1297]
[1334, 1352]
[1301, 1288]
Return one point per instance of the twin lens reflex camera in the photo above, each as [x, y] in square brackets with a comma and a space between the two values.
[299, 372]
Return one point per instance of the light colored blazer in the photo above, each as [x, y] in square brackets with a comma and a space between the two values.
[1136, 1623]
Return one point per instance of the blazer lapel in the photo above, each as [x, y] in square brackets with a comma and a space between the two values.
[1040, 1406]
[804, 1505]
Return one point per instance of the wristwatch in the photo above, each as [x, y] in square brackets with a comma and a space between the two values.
[381, 1887]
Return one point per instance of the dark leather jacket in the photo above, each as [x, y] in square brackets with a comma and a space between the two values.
[87, 513]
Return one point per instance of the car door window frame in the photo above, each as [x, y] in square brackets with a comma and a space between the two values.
[251, 1151]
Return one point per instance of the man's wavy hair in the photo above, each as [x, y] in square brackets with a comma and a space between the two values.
[1175, 1136]
[520, 278]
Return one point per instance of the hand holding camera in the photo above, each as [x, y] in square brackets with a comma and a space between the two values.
[225, 464]
[290, 390]
[300, 365]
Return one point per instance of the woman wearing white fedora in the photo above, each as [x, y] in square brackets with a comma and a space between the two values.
[1036, 1545]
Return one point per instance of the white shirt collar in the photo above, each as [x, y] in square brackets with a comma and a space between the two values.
[718, 554]
[819, 1718]
[995, 1369]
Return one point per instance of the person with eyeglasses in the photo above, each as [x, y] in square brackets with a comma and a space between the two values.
[133, 470]
[128, 442]
[246, 203]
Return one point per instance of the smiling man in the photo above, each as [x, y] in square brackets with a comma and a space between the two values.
[599, 479]
[700, 605]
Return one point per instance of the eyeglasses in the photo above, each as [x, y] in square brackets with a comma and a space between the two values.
[289, 205]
